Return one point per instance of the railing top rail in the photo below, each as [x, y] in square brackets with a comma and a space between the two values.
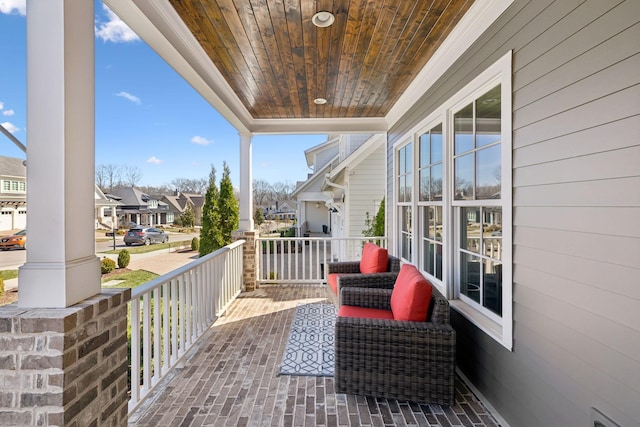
[159, 281]
[323, 238]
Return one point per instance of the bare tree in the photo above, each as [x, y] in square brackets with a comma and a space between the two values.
[282, 190]
[261, 192]
[185, 185]
[132, 175]
[108, 177]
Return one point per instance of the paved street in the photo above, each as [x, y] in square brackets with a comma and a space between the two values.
[160, 262]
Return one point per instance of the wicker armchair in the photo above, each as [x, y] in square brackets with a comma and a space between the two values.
[348, 275]
[402, 360]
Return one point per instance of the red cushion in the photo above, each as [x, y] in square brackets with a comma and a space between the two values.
[332, 281]
[374, 259]
[364, 312]
[411, 295]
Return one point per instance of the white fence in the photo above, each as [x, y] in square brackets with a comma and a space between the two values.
[302, 259]
[170, 313]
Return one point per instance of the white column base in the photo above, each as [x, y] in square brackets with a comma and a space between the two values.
[41, 278]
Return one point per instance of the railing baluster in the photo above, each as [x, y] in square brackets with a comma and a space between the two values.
[174, 321]
[146, 342]
[166, 324]
[135, 349]
[176, 310]
[157, 337]
[304, 266]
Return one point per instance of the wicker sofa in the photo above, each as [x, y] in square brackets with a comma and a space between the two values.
[348, 274]
[404, 360]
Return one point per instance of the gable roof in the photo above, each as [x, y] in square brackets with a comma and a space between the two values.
[131, 196]
[12, 167]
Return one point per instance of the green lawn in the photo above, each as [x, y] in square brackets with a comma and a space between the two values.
[8, 274]
[141, 249]
[131, 279]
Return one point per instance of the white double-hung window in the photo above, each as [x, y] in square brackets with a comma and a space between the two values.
[404, 186]
[461, 195]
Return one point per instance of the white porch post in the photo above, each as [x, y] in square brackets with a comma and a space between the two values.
[61, 267]
[246, 184]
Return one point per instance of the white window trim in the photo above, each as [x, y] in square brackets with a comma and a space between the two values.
[397, 237]
[429, 123]
[500, 329]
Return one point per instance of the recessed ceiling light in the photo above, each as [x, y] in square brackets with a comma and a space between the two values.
[323, 19]
[320, 101]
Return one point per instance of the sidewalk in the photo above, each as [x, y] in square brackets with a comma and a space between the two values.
[158, 262]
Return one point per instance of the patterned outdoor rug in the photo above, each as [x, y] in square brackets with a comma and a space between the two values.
[309, 349]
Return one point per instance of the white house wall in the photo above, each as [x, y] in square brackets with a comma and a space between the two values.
[576, 211]
[365, 191]
[324, 156]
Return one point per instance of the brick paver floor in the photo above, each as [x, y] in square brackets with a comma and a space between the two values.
[231, 379]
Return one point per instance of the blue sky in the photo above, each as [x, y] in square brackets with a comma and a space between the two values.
[146, 115]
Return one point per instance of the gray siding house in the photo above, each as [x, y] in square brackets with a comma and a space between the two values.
[566, 348]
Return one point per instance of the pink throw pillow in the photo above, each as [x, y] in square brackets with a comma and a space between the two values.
[374, 259]
[411, 295]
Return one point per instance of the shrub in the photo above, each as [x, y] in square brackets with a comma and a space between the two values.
[124, 258]
[1, 286]
[107, 265]
[195, 244]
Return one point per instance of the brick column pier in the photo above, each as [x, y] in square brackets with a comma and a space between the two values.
[65, 366]
[248, 258]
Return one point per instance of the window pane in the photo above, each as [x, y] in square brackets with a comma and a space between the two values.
[405, 232]
[463, 129]
[402, 161]
[470, 229]
[488, 116]
[408, 184]
[436, 144]
[409, 158]
[464, 177]
[470, 270]
[425, 152]
[492, 235]
[424, 185]
[426, 222]
[432, 259]
[492, 286]
[488, 173]
[437, 221]
[436, 182]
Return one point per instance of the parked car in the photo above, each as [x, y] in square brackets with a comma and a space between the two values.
[15, 241]
[145, 236]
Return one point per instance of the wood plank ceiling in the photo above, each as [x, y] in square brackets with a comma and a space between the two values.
[278, 62]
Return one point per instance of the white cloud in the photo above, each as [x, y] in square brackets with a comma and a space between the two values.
[114, 30]
[200, 140]
[13, 6]
[1, 103]
[7, 112]
[10, 127]
[154, 160]
[132, 98]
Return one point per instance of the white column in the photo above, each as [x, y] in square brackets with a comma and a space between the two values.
[246, 184]
[61, 267]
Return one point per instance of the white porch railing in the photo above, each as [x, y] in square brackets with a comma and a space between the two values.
[170, 313]
[302, 259]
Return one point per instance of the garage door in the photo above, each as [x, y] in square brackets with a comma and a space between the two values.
[6, 220]
[20, 220]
